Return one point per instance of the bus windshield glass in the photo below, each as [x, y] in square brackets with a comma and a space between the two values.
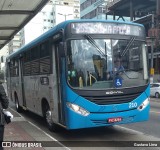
[106, 63]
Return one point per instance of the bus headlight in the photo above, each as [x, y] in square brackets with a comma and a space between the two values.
[78, 109]
[144, 104]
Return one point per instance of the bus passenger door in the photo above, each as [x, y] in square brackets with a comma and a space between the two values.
[61, 75]
[22, 95]
[58, 110]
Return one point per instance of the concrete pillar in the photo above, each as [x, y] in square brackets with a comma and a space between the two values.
[157, 13]
[131, 10]
[158, 7]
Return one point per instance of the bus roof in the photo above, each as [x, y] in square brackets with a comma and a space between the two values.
[60, 26]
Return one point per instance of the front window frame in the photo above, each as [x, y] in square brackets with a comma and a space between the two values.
[144, 65]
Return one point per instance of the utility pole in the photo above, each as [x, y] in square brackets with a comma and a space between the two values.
[152, 54]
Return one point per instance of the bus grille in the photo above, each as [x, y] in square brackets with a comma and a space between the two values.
[116, 99]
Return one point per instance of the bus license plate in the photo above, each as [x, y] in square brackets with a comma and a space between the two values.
[113, 120]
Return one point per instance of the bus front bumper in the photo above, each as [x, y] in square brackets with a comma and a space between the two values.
[77, 121]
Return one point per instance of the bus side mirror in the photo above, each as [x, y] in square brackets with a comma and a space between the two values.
[61, 49]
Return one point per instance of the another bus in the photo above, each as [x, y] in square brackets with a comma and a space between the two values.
[68, 75]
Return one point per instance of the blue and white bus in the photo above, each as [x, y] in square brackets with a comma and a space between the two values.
[68, 75]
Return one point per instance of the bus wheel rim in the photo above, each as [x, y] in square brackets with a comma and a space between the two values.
[17, 104]
[48, 117]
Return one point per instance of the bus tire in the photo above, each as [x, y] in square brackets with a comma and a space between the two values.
[18, 107]
[48, 118]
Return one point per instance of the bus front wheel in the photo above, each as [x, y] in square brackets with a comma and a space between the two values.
[18, 107]
[48, 118]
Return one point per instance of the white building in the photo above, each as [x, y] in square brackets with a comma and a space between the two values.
[66, 10]
[41, 23]
[3, 54]
[15, 43]
[52, 14]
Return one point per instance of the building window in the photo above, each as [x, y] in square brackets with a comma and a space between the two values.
[76, 11]
[93, 1]
[65, 3]
[92, 14]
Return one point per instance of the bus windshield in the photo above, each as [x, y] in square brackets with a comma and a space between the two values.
[106, 63]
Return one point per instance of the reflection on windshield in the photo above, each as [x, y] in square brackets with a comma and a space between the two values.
[99, 63]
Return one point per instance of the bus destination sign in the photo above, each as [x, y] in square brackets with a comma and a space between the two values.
[107, 28]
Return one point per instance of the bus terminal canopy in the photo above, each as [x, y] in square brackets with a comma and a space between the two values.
[14, 15]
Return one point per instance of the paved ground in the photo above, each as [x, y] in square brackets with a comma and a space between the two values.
[22, 134]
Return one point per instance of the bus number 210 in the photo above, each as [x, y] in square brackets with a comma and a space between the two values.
[132, 105]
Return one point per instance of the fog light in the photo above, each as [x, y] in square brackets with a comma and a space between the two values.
[78, 109]
[144, 104]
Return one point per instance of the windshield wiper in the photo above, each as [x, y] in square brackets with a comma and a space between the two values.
[93, 42]
[128, 46]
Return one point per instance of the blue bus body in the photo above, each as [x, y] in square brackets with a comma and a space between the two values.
[94, 101]
[100, 114]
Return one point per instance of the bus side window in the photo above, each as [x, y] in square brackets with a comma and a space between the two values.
[14, 67]
[44, 49]
[45, 62]
[27, 66]
[35, 60]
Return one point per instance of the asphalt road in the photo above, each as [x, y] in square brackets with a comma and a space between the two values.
[145, 131]
[152, 126]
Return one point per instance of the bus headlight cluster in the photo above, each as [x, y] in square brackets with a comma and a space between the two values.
[144, 104]
[78, 109]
